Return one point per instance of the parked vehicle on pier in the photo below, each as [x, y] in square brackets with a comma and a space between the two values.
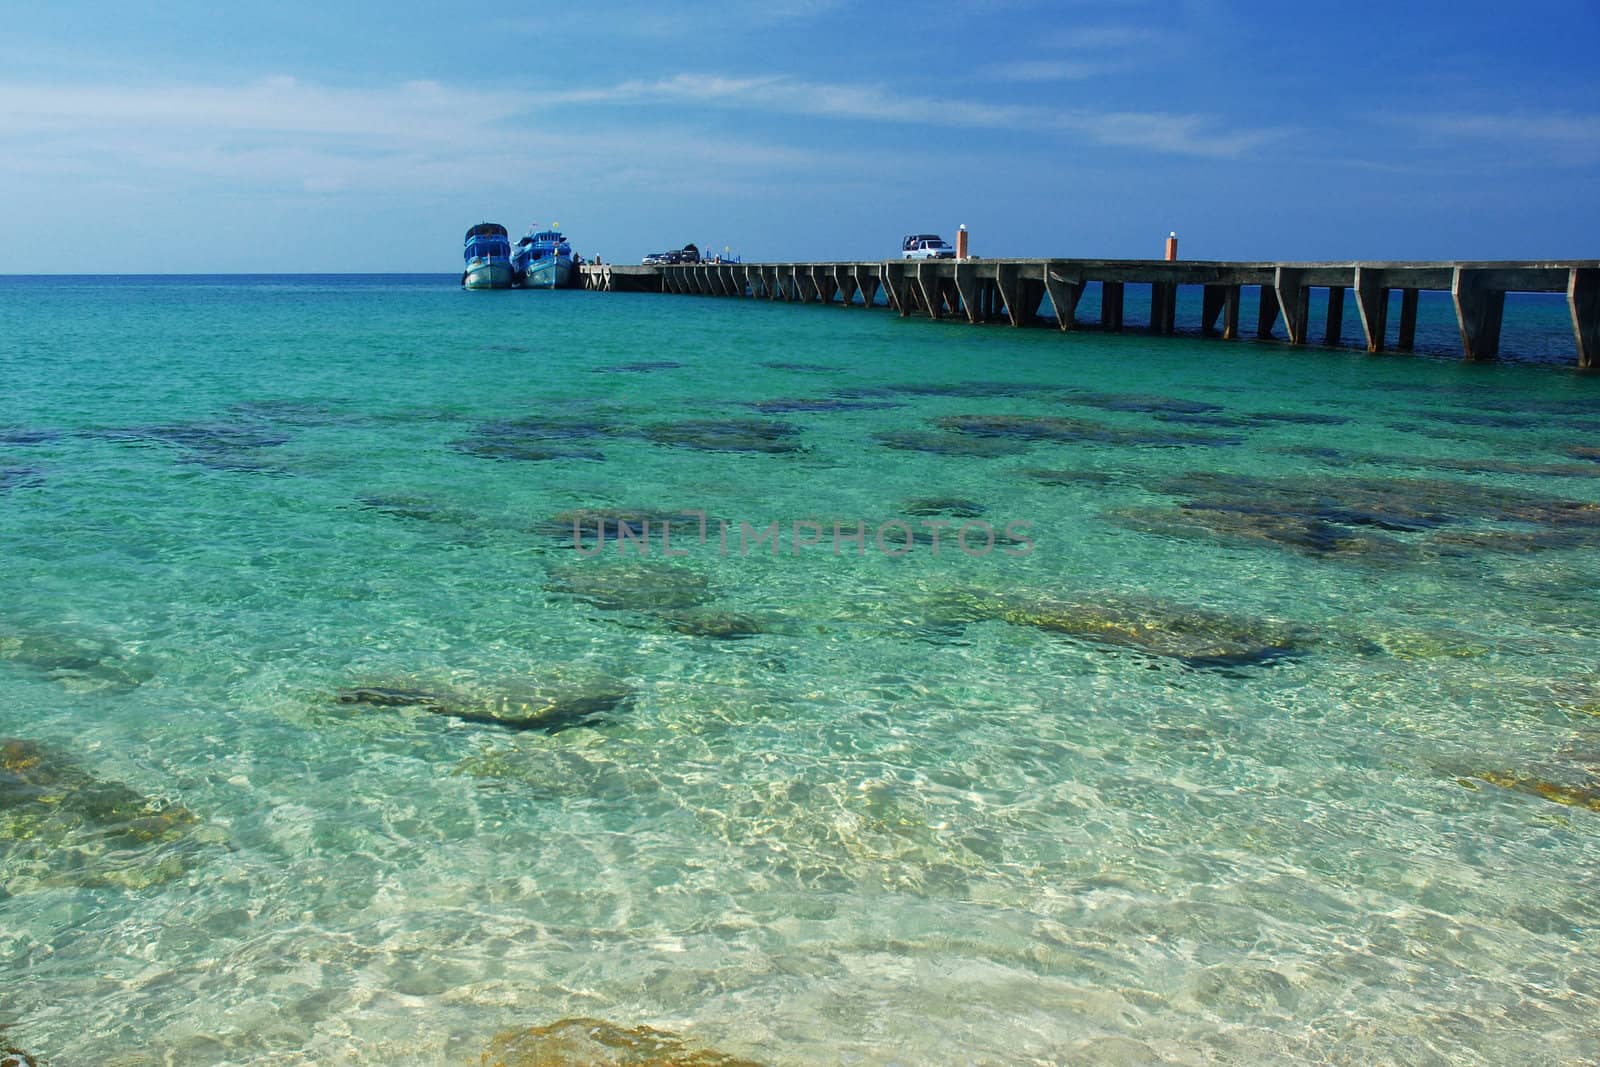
[687, 254]
[542, 260]
[487, 252]
[925, 246]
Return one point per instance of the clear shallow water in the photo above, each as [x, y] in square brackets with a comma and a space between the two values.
[1181, 782]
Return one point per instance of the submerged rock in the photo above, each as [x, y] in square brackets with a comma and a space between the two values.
[947, 506]
[596, 1043]
[59, 825]
[628, 585]
[976, 390]
[1062, 430]
[588, 526]
[80, 663]
[1194, 636]
[726, 435]
[416, 508]
[536, 438]
[716, 625]
[1584, 795]
[1327, 515]
[1069, 477]
[1301, 533]
[792, 405]
[1143, 403]
[803, 368]
[20, 478]
[237, 446]
[1299, 418]
[15, 1057]
[642, 367]
[558, 701]
[942, 443]
[27, 435]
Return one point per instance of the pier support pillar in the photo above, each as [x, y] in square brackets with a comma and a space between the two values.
[1163, 308]
[928, 283]
[1294, 299]
[1479, 311]
[1065, 291]
[1111, 306]
[967, 288]
[1335, 330]
[844, 280]
[897, 287]
[867, 282]
[823, 281]
[1408, 320]
[1021, 296]
[1583, 300]
[1372, 300]
[1212, 300]
[1267, 314]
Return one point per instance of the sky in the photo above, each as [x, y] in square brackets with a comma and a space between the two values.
[342, 135]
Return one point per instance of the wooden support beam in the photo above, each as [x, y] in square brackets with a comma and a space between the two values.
[1408, 320]
[1111, 306]
[1212, 299]
[1479, 311]
[1065, 290]
[1583, 300]
[1294, 300]
[1372, 301]
[1163, 308]
[967, 288]
[928, 284]
[1335, 328]
[1267, 314]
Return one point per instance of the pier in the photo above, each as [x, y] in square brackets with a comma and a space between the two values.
[1014, 290]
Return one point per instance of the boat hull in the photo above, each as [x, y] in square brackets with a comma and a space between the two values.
[548, 273]
[490, 274]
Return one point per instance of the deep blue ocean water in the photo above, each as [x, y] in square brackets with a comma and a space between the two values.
[1267, 729]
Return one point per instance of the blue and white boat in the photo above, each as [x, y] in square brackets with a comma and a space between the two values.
[543, 260]
[487, 251]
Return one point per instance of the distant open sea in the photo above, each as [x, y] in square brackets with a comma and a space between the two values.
[958, 695]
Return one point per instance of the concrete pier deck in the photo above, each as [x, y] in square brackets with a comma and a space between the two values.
[1014, 291]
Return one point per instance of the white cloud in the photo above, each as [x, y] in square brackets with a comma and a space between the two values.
[1046, 70]
[1182, 134]
[1565, 138]
[282, 136]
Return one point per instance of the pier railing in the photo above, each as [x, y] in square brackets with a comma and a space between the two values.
[1014, 291]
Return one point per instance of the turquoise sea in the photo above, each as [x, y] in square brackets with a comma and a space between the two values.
[1267, 730]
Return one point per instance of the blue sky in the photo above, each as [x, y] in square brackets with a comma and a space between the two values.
[344, 136]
